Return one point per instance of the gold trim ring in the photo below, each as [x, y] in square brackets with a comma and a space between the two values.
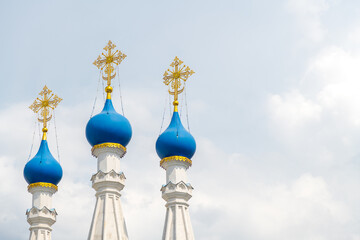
[42, 184]
[109, 144]
[176, 158]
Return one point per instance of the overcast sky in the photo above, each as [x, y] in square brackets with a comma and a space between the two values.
[273, 106]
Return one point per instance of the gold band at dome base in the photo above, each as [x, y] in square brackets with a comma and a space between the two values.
[42, 184]
[109, 144]
[176, 158]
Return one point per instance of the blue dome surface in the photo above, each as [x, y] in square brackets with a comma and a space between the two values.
[108, 126]
[43, 167]
[175, 140]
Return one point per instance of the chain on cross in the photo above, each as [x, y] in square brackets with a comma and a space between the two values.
[173, 78]
[43, 105]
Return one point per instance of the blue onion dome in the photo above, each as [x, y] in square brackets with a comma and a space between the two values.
[175, 140]
[43, 167]
[108, 127]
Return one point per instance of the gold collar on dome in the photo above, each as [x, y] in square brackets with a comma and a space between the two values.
[110, 145]
[176, 158]
[173, 78]
[42, 184]
[48, 101]
[107, 60]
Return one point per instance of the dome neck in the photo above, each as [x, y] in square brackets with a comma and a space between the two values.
[44, 148]
[108, 91]
[108, 106]
[44, 151]
[175, 120]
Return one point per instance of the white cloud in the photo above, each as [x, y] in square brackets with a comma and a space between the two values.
[308, 16]
[13, 200]
[319, 123]
[328, 90]
[293, 110]
[241, 201]
[338, 72]
[305, 203]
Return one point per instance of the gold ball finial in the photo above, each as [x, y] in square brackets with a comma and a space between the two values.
[44, 133]
[175, 103]
[108, 89]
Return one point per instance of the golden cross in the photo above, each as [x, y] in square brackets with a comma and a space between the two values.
[48, 101]
[172, 78]
[107, 60]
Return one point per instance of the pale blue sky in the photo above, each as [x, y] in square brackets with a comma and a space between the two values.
[273, 106]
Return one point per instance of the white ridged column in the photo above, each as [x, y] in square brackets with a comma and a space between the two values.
[108, 221]
[177, 193]
[41, 216]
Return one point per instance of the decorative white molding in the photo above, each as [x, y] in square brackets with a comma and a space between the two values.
[36, 216]
[177, 192]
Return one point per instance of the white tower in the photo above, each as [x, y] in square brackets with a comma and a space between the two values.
[109, 133]
[108, 220]
[43, 173]
[175, 146]
[41, 216]
[177, 193]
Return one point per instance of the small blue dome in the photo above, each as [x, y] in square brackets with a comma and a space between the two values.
[43, 167]
[175, 140]
[108, 126]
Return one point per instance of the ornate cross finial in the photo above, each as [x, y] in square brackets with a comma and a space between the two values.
[48, 101]
[172, 78]
[107, 60]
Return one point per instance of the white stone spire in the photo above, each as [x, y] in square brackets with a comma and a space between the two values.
[108, 221]
[109, 133]
[43, 172]
[41, 216]
[177, 193]
[176, 146]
